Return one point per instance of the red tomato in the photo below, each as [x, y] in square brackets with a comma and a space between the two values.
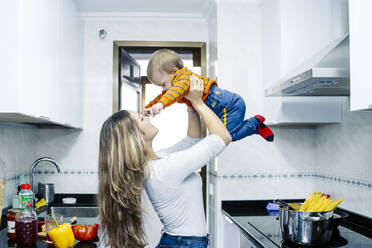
[85, 232]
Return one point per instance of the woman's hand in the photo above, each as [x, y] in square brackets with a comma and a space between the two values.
[196, 90]
[213, 123]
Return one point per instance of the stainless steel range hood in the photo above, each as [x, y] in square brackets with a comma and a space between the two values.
[325, 74]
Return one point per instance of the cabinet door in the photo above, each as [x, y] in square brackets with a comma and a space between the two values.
[38, 54]
[42, 61]
[360, 19]
[9, 47]
[67, 88]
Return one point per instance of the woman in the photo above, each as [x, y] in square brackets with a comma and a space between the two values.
[127, 164]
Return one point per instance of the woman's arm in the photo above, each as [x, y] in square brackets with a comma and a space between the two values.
[211, 120]
[194, 125]
[174, 168]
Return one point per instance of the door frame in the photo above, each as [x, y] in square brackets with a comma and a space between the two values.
[118, 44]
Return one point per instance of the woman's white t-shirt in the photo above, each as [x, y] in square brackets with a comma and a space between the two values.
[175, 188]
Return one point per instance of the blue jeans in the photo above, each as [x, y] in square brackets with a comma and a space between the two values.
[230, 108]
[169, 241]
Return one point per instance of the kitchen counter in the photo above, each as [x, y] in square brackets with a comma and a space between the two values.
[5, 242]
[261, 227]
[83, 200]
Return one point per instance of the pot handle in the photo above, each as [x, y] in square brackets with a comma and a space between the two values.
[320, 217]
[339, 214]
[315, 218]
[283, 204]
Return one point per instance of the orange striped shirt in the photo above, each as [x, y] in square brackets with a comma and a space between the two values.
[180, 87]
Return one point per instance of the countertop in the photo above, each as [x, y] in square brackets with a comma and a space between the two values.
[262, 227]
[5, 242]
[83, 200]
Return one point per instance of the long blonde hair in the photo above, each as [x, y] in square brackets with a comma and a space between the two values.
[165, 60]
[122, 157]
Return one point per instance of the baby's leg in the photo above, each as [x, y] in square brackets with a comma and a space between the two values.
[240, 128]
[230, 108]
[234, 118]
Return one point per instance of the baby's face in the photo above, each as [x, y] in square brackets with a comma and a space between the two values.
[162, 79]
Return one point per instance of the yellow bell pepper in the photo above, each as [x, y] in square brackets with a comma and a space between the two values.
[62, 235]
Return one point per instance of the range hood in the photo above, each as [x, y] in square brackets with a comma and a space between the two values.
[325, 74]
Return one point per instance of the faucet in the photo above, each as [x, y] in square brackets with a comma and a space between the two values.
[46, 159]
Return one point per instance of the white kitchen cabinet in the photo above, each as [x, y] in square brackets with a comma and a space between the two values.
[42, 82]
[360, 19]
[234, 237]
[291, 35]
[231, 234]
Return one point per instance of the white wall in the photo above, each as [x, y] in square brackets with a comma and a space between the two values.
[344, 158]
[98, 77]
[239, 46]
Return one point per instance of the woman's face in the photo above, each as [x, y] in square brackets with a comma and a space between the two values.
[147, 129]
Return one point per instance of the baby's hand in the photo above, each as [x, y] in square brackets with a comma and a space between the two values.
[148, 112]
[154, 110]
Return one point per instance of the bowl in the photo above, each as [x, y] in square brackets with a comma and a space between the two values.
[69, 200]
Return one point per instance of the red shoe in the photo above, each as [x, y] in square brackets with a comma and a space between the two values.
[265, 132]
[260, 119]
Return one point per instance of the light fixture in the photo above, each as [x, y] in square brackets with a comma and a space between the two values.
[102, 34]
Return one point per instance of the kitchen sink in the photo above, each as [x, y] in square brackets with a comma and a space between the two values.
[82, 212]
[70, 211]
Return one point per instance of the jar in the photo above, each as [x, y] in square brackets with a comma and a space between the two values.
[11, 222]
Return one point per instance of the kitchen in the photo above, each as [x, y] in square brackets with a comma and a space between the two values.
[321, 143]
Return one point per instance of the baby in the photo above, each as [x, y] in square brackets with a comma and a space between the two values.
[165, 69]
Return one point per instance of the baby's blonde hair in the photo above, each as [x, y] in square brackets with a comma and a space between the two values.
[163, 59]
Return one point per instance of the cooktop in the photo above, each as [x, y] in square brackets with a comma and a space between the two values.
[263, 226]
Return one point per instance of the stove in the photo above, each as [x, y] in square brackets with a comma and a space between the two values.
[263, 226]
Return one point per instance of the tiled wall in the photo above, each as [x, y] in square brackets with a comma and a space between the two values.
[344, 156]
[333, 158]
[23, 144]
[16, 155]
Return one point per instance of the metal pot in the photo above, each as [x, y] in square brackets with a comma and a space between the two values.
[307, 228]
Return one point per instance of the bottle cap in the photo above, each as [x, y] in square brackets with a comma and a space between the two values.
[25, 186]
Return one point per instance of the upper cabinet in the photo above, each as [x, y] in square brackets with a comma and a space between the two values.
[360, 54]
[294, 35]
[42, 62]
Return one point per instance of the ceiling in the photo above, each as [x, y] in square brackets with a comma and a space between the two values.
[188, 7]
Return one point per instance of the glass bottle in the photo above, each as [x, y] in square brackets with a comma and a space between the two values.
[26, 219]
